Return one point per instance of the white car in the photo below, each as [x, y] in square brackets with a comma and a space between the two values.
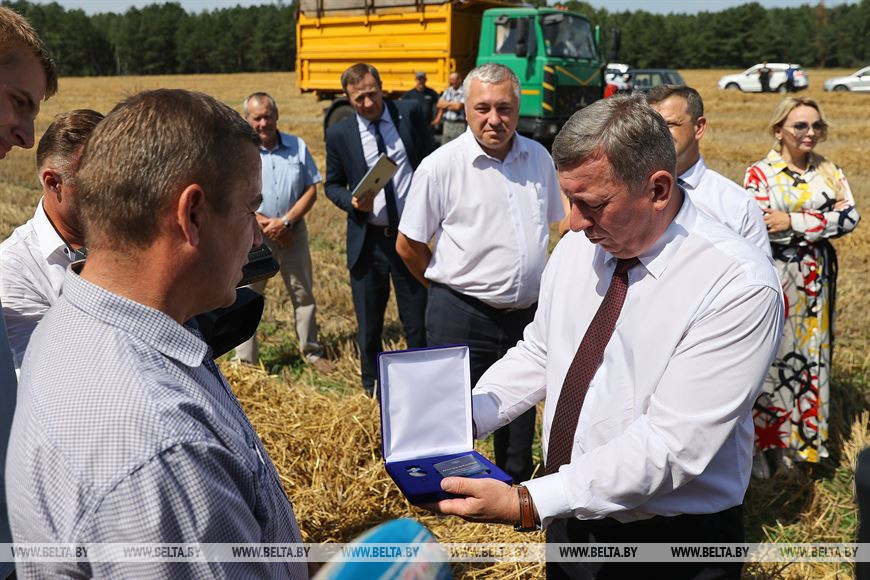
[860, 81]
[615, 71]
[748, 82]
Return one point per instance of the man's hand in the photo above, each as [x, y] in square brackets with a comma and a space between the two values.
[777, 221]
[273, 228]
[365, 202]
[285, 238]
[486, 500]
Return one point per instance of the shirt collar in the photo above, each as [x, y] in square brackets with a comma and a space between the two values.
[775, 160]
[49, 240]
[692, 176]
[519, 149]
[279, 144]
[155, 328]
[364, 123]
[659, 255]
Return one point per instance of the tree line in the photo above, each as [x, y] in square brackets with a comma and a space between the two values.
[809, 35]
[166, 39]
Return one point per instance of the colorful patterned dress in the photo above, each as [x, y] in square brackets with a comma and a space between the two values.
[792, 410]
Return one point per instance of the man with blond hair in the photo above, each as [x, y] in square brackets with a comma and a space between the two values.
[27, 76]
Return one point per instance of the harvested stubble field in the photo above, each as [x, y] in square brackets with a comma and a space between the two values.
[323, 433]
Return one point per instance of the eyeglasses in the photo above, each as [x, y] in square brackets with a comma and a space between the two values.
[802, 128]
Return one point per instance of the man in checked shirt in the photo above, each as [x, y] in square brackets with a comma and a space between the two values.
[125, 430]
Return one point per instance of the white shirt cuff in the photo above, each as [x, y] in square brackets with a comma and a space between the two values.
[484, 410]
[548, 495]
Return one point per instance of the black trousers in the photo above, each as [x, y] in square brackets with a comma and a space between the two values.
[370, 288]
[454, 318]
[724, 527]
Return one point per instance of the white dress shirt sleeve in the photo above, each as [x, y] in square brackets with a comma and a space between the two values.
[754, 228]
[424, 207]
[24, 304]
[711, 383]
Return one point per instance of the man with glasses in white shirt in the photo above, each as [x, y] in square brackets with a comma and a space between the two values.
[488, 198]
[647, 423]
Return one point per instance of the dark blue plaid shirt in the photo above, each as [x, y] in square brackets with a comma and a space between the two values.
[126, 431]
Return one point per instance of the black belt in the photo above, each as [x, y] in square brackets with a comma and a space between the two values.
[385, 231]
[480, 304]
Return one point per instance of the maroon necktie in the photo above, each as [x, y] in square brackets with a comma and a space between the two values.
[583, 367]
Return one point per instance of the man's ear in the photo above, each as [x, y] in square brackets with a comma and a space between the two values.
[700, 127]
[191, 213]
[661, 186]
[51, 181]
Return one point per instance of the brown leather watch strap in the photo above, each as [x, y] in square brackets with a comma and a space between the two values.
[527, 511]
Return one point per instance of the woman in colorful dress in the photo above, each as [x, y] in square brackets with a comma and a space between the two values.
[806, 201]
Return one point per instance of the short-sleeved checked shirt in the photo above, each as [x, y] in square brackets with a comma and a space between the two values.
[452, 95]
[126, 431]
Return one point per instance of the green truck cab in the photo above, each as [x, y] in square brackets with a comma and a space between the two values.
[556, 56]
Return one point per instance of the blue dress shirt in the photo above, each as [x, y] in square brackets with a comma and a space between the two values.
[287, 170]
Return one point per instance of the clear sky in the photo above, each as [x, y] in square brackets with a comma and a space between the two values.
[659, 6]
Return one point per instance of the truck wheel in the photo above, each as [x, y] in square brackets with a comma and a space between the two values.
[336, 114]
[841, 88]
[732, 87]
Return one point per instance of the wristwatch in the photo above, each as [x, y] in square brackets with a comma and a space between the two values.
[288, 225]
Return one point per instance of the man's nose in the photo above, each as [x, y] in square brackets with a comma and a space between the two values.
[578, 221]
[23, 135]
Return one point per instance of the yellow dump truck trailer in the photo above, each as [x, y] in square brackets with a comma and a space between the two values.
[555, 54]
[398, 37]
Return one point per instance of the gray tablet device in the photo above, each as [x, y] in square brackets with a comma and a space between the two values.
[377, 176]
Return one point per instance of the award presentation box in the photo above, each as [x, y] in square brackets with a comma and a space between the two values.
[426, 427]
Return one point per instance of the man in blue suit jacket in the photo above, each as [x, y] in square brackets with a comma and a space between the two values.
[352, 146]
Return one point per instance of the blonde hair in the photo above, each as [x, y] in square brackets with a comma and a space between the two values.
[827, 169]
[16, 34]
[784, 109]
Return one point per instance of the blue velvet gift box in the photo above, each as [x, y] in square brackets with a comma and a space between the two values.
[425, 398]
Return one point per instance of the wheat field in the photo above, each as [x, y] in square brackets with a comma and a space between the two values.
[322, 433]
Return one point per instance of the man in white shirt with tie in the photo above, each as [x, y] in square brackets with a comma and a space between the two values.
[647, 427]
[714, 194]
[488, 198]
